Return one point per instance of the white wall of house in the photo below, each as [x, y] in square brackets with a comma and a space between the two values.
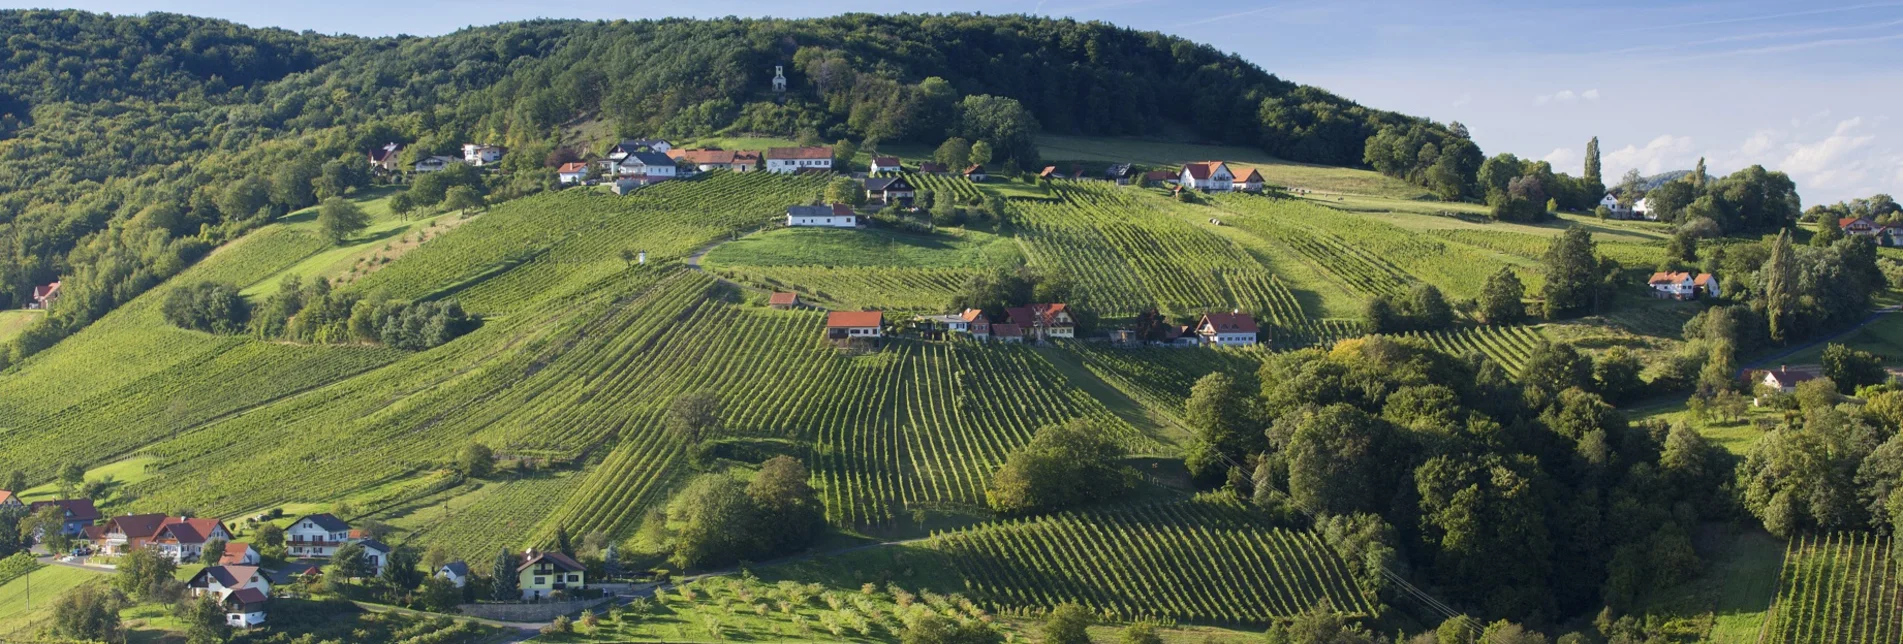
[244, 620]
[832, 221]
[784, 166]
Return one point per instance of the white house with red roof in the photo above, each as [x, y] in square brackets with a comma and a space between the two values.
[1247, 181]
[854, 325]
[239, 553]
[1232, 329]
[385, 158]
[885, 164]
[572, 172]
[1681, 285]
[44, 296]
[10, 501]
[1207, 176]
[184, 539]
[790, 160]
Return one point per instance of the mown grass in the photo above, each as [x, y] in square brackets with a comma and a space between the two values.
[21, 613]
[14, 322]
[124, 472]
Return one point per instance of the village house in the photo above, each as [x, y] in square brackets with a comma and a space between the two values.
[1159, 177]
[80, 514]
[10, 502]
[376, 553]
[318, 535]
[976, 173]
[929, 167]
[707, 160]
[456, 572]
[44, 296]
[221, 580]
[1232, 329]
[1681, 285]
[790, 160]
[783, 301]
[1043, 321]
[1248, 181]
[1121, 174]
[433, 164]
[184, 539]
[479, 155]
[977, 324]
[1007, 333]
[889, 190]
[239, 553]
[630, 146]
[1786, 379]
[123, 534]
[885, 164]
[542, 574]
[838, 215]
[1884, 235]
[652, 165]
[572, 172]
[854, 325]
[1207, 176]
[1641, 209]
[245, 608]
[385, 158]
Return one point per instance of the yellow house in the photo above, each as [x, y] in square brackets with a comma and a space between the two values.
[543, 573]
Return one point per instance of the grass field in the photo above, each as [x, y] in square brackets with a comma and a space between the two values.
[127, 472]
[14, 322]
[874, 247]
[1731, 598]
[1274, 171]
[39, 589]
[1883, 336]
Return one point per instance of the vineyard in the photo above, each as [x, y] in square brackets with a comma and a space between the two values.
[1839, 587]
[1209, 560]
[1371, 256]
[1161, 377]
[1509, 346]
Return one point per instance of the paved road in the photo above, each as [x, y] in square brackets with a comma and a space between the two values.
[1777, 358]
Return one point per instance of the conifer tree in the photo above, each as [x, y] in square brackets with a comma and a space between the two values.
[1780, 287]
[504, 587]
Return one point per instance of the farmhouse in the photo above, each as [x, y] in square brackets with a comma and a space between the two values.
[10, 501]
[1232, 329]
[239, 553]
[44, 296]
[854, 325]
[789, 160]
[1681, 285]
[80, 513]
[1786, 379]
[183, 540]
[456, 572]
[545, 573]
[976, 324]
[478, 154]
[123, 534]
[1248, 181]
[223, 580]
[975, 173]
[1641, 209]
[318, 535]
[385, 158]
[245, 608]
[885, 164]
[433, 164]
[1120, 173]
[630, 146]
[572, 172]
[783, 301]
[1207, 176]
[652, 165]
[887, 190]
[1043, 321]
[838, 215]
[376, 553]
[929, 167]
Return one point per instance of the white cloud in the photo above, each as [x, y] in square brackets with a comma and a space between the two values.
[1562, 158]
[1664, 153]
[1831, 162]
[1566, 96]
[1464, 99]
[1760, 143]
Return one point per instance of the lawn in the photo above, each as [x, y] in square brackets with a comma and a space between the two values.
[45, 584]
[1727, 603]
[871, 247]
[1883, 337]
[14, 322]
[1274, 171]
[1736, 438]
[387, 237]
[124, 472]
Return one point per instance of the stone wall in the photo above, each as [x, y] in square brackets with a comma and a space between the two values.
[527, 612]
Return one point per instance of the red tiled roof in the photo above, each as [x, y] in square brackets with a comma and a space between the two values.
[1702, 279]
[187, 530]
[842, 210]
[1229, 322]
[43, 292]
[971, 315]
[854, 319]
[1668, 277]
[576, 166]
[799, 153]
[1159, 175]
[929, 166]
[76, 509]
[137, 526]
[783, 299]
[1007, 330]
[1048, 172]
[234, 553]
[1787, 376]
[1200, 171]
[1249, 176]
[1020, 315]
[4, 495]
[708, 157]
[1843, 222]
[885, 161]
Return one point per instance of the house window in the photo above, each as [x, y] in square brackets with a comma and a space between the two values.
[541, 580]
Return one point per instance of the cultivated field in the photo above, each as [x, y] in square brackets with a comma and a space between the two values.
[1841, 587]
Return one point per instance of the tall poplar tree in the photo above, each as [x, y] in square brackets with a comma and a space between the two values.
[1698, 174]
[1780, 287]
[1592, 162]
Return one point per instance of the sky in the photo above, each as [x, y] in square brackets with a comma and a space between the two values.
[1812, 89]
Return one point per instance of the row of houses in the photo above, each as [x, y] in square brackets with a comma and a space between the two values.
[1884, 234]
[388, 157]
[1037, 322]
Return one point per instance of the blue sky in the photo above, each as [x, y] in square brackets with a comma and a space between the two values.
[1808, 88]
